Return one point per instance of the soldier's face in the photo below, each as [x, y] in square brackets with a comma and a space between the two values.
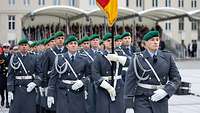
[118, 43]
[23, 48]
[127, 40]
[152, 44]
[95, 42]
[72, 46]
[108, 44]
[6, 48]
[52, 43]
[60, 40]
[85, 45]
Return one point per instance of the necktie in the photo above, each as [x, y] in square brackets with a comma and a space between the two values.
[72, 58]
[155, 58]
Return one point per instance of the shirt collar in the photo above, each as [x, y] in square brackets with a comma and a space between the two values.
[153, 53]
[70, 55]
[23, 54]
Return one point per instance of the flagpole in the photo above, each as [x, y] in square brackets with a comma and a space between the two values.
[113, 51]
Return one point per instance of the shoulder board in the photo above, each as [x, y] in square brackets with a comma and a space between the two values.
[83, 55]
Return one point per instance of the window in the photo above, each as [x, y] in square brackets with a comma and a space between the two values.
[139, 3]
[180, 3]
[194, 3]
[26, 2]
[41, 2]
[71, 2]
[56, 2]
[11, 22]
[127, 3]
[168, 26]
[181, 24]
[167, 3]
[11, 2]
[194, 25]
[92, 2]
[155, 3]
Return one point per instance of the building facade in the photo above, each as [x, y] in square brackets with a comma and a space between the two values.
[11, 12]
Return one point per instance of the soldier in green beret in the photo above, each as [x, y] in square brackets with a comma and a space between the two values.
[47, 62]
[68, 79]
[24, 75]
[128, 45]
[152, 78]
[84, 43]
[118, 41]
[94, 43]
[109, 98]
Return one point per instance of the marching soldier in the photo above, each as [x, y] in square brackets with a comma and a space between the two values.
[92, 53]
[24, 75]
[127, 46]
[109, 97]
[152, 78]
[5, 58]
[47, 63]
[84, 43]
[118, 41]
[94, 42]
[68, 79]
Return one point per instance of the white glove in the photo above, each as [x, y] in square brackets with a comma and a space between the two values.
[110, 89]
[112, 57]
[77, 85]
[122, 59]
[10, 96]
[30, 86]
[116, 58]
[129, 110]
[158, 95]
[50, 101]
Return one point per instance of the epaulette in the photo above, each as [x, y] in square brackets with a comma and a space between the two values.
[82, 54]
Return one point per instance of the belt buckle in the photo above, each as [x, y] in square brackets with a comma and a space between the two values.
[23, 77]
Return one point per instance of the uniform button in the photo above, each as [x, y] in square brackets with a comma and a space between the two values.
[79, 74]
[106, 72]
[149, 78]
[20, 86]
[20, 71]
[68, 73]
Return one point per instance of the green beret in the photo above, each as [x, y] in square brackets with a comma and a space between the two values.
[58, 34]
[46, 41]
[70, 39]
[33, 44]
[51, 37]
[84, 39]
[94, 36]
[125, 34]
[23, 41]
[42, 41]
[150, 35]
[117, 37]
[107, 36]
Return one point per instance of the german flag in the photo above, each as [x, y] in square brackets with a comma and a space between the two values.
[110, 8]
